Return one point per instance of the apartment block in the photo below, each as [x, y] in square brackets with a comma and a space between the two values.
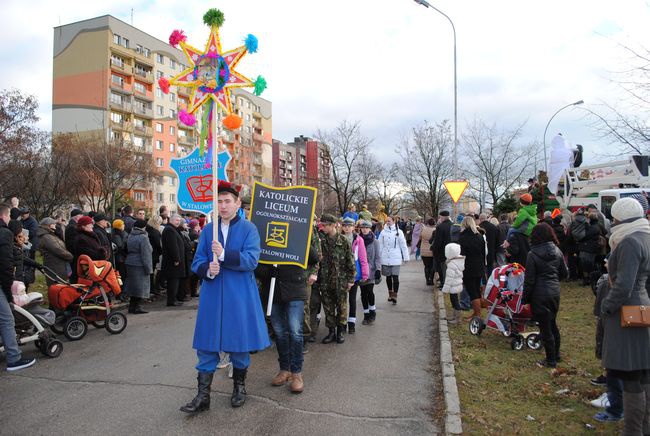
[105, 83]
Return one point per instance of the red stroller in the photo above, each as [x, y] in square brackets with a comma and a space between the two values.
[89, 300]
[506, 311]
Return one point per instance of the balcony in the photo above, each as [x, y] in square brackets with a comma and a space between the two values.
[141, 58]
[145, 112]
[183, 90]
[119, 125]
[121, 50]
[147, 95]
[123, 106]
[187, 140]
[144, 76]
[143, 130]
[121, 67]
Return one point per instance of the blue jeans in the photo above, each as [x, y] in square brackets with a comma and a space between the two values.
[614, 395]
[287, 319]
[8, 330]
[208, 360]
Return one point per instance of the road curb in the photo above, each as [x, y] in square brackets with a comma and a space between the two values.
[453, 423]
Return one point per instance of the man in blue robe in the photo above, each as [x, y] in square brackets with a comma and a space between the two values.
[230, 317]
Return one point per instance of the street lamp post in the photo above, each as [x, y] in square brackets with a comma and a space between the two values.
[549, 123]
[453, 28]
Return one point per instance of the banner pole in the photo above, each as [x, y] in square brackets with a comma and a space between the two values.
[269, 305]
[215, 177]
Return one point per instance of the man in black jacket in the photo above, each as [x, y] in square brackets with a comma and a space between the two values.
[441, 238]
[101, 224]
[492, 239]
[7, 323]
[173, 259]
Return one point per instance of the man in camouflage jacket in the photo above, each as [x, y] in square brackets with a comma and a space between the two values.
[337, 277]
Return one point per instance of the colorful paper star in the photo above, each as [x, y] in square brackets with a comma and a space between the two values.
[211, 73]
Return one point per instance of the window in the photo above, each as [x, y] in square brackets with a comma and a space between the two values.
[172, 147]
[248, 104]
[282, 152]
[146, 52]
[172, 198]
[116, 118]
[138, 196]
[172, 113]
[125, 42]
[138, 48]
[172, 97]
[160, 110]
[182, 133]
[159, 144]
[241, 102]
[117, 80]
[303, 168]
[160, 162]
[139, 87]
[139, 124]
[117, 39]
[117, 61]
[172, 181]
[138, 141]
[172, 63]
[248, 129]
[159, 75]
[159, 92]
[160, 58]
[248, 117]
[117, 98]
[159, 127]
[172, 130]
[160, 197]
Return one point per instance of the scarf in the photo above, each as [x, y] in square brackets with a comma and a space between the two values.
[626, 228]
[367, 239]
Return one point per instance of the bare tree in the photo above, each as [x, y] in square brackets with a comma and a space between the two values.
[347, 147]
[106, 172]
[387, 188]
[426, 162]
[494, 159]
[369, 171]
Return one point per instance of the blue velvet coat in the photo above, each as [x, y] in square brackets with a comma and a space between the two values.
[230, 316]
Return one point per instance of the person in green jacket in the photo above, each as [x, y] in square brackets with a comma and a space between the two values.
[526, 217]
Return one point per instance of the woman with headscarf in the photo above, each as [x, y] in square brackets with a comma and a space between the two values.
[55, 256]
[626, 350]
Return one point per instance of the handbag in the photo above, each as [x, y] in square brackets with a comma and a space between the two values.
[635, 316]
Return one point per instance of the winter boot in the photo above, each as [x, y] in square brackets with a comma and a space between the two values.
[366, 319]
[133, 302]
[634, 407]
[238, 397]
[331, 337]
[351, 328]
[394, 298]
[340, 337]
[452, 318]
[138, 306]
[202, 400]
[373, 316]
[390, 295]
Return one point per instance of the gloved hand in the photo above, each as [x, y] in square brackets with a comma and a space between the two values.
[377, 277]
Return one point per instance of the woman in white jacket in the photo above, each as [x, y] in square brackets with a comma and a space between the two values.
[393, 249]
[454, 278]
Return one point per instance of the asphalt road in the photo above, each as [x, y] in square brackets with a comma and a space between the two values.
[382, 381]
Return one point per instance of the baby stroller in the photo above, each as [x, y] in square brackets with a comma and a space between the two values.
[31, 321]
[506, 312]
[88, 301]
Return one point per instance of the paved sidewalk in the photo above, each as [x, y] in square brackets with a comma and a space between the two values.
[383, 381]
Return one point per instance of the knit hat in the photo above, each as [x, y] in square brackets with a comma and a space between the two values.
[526, 199]
[194, 222]
[84, 220]
[327, 219]
[460, 218]
[444, 213]
[627, 208]
[364, 224]
[100, 217]
[141, 224]
[348, 221]
[47, 221]
[76, 212]
[118, 224]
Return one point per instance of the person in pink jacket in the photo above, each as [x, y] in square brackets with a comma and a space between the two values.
[361, 263]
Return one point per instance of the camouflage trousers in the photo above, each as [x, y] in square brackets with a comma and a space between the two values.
[335, 306]
[306, 325]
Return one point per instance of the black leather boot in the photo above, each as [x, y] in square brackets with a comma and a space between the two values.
[133, 302]
[331, 337]
[340, 337]
[366, 319]
[351, 328]
[238, 397]
[202, 400]
[373, 316]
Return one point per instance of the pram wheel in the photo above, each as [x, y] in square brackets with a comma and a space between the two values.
[517, 343]
[53, 348]
[534, 341]
[75, 328]
[476, 326]
[115, 323]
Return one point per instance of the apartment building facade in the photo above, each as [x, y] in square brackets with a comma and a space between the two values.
[105, 83]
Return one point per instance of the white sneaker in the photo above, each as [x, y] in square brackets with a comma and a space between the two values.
[601, 402]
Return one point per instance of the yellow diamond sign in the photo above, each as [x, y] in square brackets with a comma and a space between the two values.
[456, 188]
